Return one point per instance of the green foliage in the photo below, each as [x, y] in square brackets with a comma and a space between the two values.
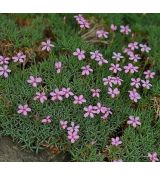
[66, 37]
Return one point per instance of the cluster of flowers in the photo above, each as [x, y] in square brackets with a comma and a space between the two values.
[72, 130]
[20, 57]
[83, 23]
[91, 111]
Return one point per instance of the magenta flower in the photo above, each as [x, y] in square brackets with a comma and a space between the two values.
[125, 29]
[47, 45]
[79, 99]
[4, 71]
[73, 127]
[82, 21]
[117, 80]
[63, 124]
[136, 82]
[4, 60]
[133, 45]
[89, 111]
[73, 132]
[58, 67]
[73, 136]
[113, 27]
[20, 57]
[101, 61]
[135, 57]
[34, 81]
[80, 54]
[116, 141]
[40, 96]
[134, 95]
[96, 55]
[67, 92]
[130, 68]
[148, 74]
[95, 92]
[134, 121]
[107, 113]
[128, 51]
[113, 92]
[86, 70]
[99, 108]
[117, 56]
[47, 120]
[23, 110]
[144, 48]
[115, 68]
[108, 81]
[102, 34]
[153, 157]
[146, 84]
[57, 95]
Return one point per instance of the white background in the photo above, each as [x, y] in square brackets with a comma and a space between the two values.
[82, 6]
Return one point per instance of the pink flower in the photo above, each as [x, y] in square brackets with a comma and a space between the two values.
[79, 99]
[134, 121]
[4, 71]
[80, 54]
[34, 81]
[73, 132]
[115, 68]
[117, 56]
[116, 141]
[148, 74]
[20, 57]
[73, 136]
[117, 80]
[146, 84]
[4, 60]
[95, 92]
[107, 113]
[89, 111]
[82, 21]
[67, 92]
[23, 110]
[134, 58]
[57, 95]
[133, 45]
[86, 70]
[125, 29]
[73, 127]
[99, 108]
[108, 81]
[102, 34]
[63, 124]
[136, 82]
[101, 61]
[113, 92]
[130, 68]
[58, 66]
[47, 45]
[40, 96]
[128, 51]
[134, 95]
[96, 55]
[153, 157]
[47, 120]
[113, 27]
[144, 48]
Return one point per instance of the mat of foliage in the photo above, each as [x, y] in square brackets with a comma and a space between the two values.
[25, 33]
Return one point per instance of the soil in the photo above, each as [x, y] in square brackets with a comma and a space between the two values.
[13, 152]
